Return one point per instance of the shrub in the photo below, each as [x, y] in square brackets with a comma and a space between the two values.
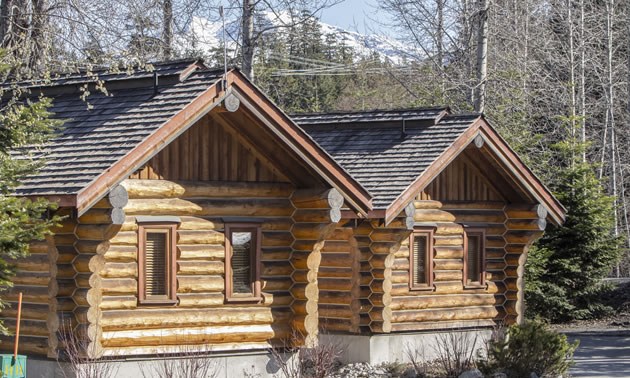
[298, 361]
[528, 348]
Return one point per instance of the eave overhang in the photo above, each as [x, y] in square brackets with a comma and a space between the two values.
[503, 154]
[250, 96]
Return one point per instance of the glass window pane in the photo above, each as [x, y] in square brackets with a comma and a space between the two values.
[474, 257]
[241, 262]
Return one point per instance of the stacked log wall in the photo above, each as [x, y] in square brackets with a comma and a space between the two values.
[339, 282]
[201, 316]
[315, 220]
[510, 231]
[34, 279]
[385, 241]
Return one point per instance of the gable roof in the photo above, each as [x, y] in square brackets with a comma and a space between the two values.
[378, 160]
[93, 139]
[385, 159]
[395, 155]
[99, 146]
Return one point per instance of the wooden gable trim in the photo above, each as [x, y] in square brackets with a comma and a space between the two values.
[170, 130]
[503, 155]
[432, 172]
[300, 142]
[510, 161]
[261, 107]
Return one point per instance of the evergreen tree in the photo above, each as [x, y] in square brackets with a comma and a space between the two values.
[23, 126]
[292, 67]
[565, 267]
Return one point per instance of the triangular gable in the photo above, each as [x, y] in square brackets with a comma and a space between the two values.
[464, 180]
[499, 154]
[287, 132]
[211, 150]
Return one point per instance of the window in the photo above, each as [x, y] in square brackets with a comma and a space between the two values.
[421, 259]
[157, 263]
[474, 257]
[242, 262]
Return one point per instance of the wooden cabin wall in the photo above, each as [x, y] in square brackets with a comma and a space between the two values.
[32, 279]
[463, 195]
[339, 282]
[210, 152]
[201, 317]
[449, 304]
[317, 212]
[385, 241]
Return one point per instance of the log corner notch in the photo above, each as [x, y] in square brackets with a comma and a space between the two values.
[317, 212]
[96, 227]
[524, 224]
[386, 241]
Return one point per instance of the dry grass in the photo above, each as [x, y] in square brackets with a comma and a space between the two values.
[297, 361]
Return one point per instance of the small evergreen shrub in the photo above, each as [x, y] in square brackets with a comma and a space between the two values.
[528, 348]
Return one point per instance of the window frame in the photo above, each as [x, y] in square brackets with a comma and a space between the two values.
[170, 229]
[481, 284]
[429, 233]
[256, 230]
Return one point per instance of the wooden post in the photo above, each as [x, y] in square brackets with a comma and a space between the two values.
[17, 327]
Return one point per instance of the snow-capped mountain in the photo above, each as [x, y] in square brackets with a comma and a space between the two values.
[205, 35]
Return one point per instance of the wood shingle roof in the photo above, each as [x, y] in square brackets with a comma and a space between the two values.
[378, 160]
[106, 126]
[386, 159]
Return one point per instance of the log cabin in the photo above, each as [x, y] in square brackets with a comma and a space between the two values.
[197, 212]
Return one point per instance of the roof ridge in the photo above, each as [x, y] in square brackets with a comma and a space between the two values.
[424, 108]
[104, 73]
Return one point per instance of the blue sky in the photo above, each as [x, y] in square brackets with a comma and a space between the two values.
[351, 15]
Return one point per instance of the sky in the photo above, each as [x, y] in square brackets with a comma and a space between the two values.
[351, 15]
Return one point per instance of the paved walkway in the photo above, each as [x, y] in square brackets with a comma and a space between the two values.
[604, 353]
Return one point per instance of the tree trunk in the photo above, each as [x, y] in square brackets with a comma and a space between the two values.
[572, 110]
[440, 35]
[482, 56]
[610, 9]
[583, 79]
[248, 39]
[167, 29]
[5, 21]
[38, 37]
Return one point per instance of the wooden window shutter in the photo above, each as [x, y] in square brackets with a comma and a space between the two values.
[242, 262]
[474, 257]
[421, 259]
[157, 268]
[155, 263]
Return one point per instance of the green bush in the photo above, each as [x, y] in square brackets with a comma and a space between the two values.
[527, 348]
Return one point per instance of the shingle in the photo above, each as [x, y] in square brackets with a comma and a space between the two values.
[92, 140]
[377, 153]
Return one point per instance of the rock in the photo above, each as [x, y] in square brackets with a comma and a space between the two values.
[474, 373]
[499, 375]
[360, 370]
[533, 375]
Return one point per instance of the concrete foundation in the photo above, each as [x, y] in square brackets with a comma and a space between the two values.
[377, 349]
[374, 349]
